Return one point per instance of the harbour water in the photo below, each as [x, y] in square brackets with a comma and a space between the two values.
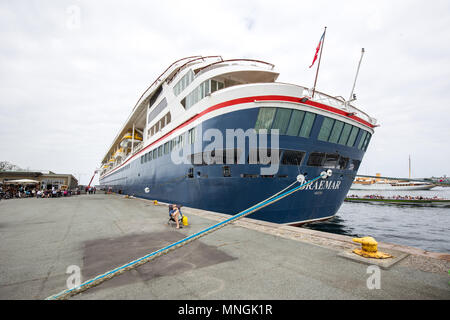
[427, 228]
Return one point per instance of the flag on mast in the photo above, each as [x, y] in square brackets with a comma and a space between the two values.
[318, 48]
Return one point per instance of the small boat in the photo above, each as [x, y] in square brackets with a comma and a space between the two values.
[383, 184]
[425, 202]
[391, 186]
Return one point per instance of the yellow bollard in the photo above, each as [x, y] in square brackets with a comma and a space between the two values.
[369, 248]
[155, 202]
[185, 221]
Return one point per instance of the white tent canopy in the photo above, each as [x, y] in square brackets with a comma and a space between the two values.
[21, 181]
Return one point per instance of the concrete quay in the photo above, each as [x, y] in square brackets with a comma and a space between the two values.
[249, 259]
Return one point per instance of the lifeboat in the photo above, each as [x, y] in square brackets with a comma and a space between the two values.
[118, 153]
[128, 138]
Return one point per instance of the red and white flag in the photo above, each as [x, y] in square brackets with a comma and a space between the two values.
[317, 49]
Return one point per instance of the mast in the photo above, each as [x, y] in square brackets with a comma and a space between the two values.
[356, 76]
[320, 58]
[409, 158]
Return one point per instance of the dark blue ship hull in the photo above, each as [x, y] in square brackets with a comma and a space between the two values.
[231, 188]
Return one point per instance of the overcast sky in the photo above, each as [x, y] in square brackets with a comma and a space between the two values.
[71, 71]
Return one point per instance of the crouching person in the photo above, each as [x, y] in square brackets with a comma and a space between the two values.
[174, 213]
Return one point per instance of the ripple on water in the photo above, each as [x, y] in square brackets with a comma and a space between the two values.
[427, 228]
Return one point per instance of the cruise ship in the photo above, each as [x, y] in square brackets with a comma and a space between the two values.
[175, 146]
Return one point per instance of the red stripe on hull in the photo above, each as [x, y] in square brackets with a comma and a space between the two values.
[248, 100]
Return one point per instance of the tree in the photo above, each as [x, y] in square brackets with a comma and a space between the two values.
[7, 166]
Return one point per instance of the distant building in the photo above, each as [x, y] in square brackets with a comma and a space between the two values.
[45, 179]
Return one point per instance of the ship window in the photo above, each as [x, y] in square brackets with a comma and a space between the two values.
[191, 98]
[363, 138]
[307, 124]
[263, 156]
[354, 165]
[265, 118]
[166, 148]
[281, 120]
[213, 85]
[295, 122]
[205, 88]
[336, 132]
[160, 151]
[343, 163]
[149, 156]
[226, 171]
[292, 157]
[229, 156]
[352, 138]
[237, 153]
[316, 159]
[183, 82]
[155, 96]
[181, 141]
[155, 154]
[157, 110]
[142, 159]
[366, 142]
[196, 159]
[345, 133]
[331, 160]
[191, 136]
[325, 130]
[173, 145]
[216, 157]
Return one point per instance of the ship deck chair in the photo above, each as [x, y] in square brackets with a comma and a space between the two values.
[171, 221]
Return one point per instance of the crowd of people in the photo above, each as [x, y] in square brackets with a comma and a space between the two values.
[374, 196]
[18, 191]
[90, 190]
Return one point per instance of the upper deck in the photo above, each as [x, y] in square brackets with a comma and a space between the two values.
[186, 82]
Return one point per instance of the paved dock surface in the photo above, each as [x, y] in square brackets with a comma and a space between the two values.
[41, 238]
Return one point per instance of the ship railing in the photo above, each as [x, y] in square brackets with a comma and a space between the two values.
[339, 103]
[188, 63]
[137, 147]
[162, 76]
[237, 62]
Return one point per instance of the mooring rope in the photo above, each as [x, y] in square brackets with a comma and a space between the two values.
[65, 294]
